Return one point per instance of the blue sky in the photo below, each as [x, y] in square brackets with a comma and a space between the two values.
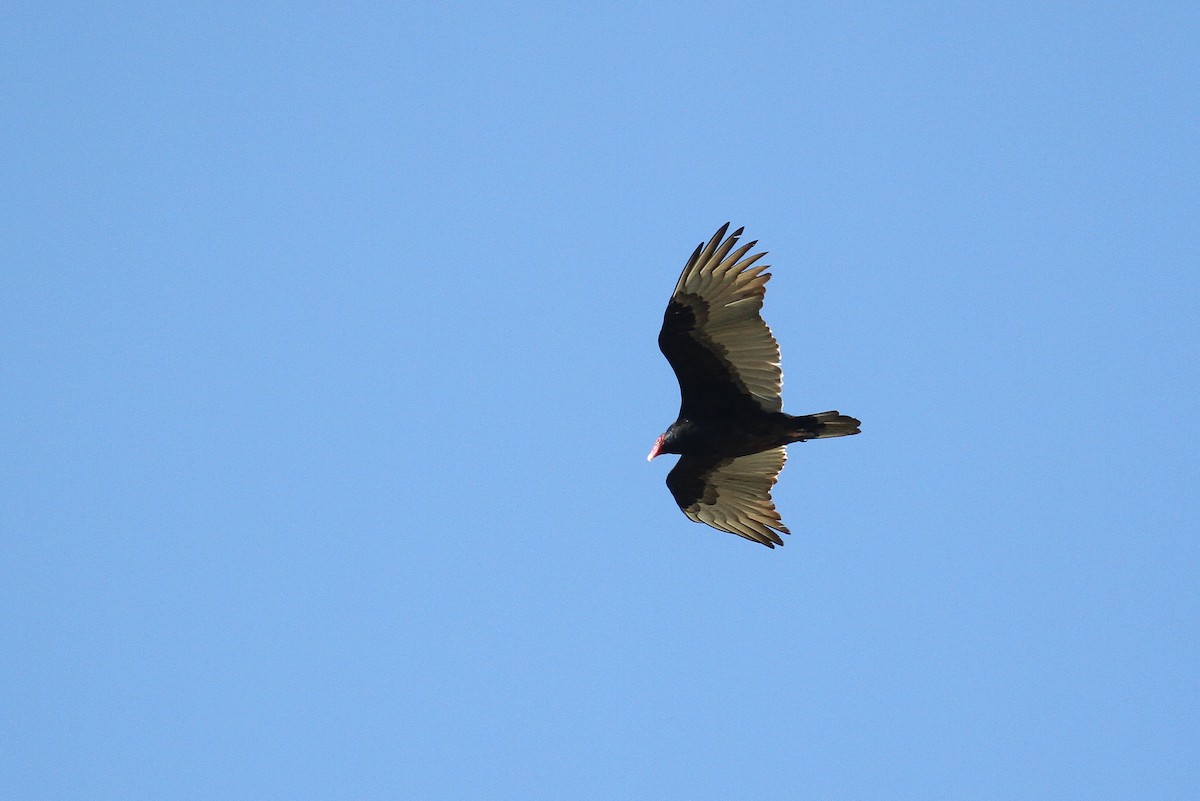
[329, 361]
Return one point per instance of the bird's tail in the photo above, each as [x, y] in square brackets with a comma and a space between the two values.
[824, 425]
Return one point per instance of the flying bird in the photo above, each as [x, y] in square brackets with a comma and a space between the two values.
[731, 431]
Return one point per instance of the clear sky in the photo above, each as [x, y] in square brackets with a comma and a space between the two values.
[329, 372]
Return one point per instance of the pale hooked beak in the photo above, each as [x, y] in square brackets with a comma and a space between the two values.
[657, 449]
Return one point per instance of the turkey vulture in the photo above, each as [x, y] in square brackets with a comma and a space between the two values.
[731, 432]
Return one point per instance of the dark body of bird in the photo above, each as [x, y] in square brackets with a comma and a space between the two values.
[731, 430]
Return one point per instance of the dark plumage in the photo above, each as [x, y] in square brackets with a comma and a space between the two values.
[731, 429]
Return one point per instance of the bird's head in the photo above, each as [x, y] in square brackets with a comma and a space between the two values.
[669, 440]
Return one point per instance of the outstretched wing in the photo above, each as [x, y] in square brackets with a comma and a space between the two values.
[721, 350]
[731, 494]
